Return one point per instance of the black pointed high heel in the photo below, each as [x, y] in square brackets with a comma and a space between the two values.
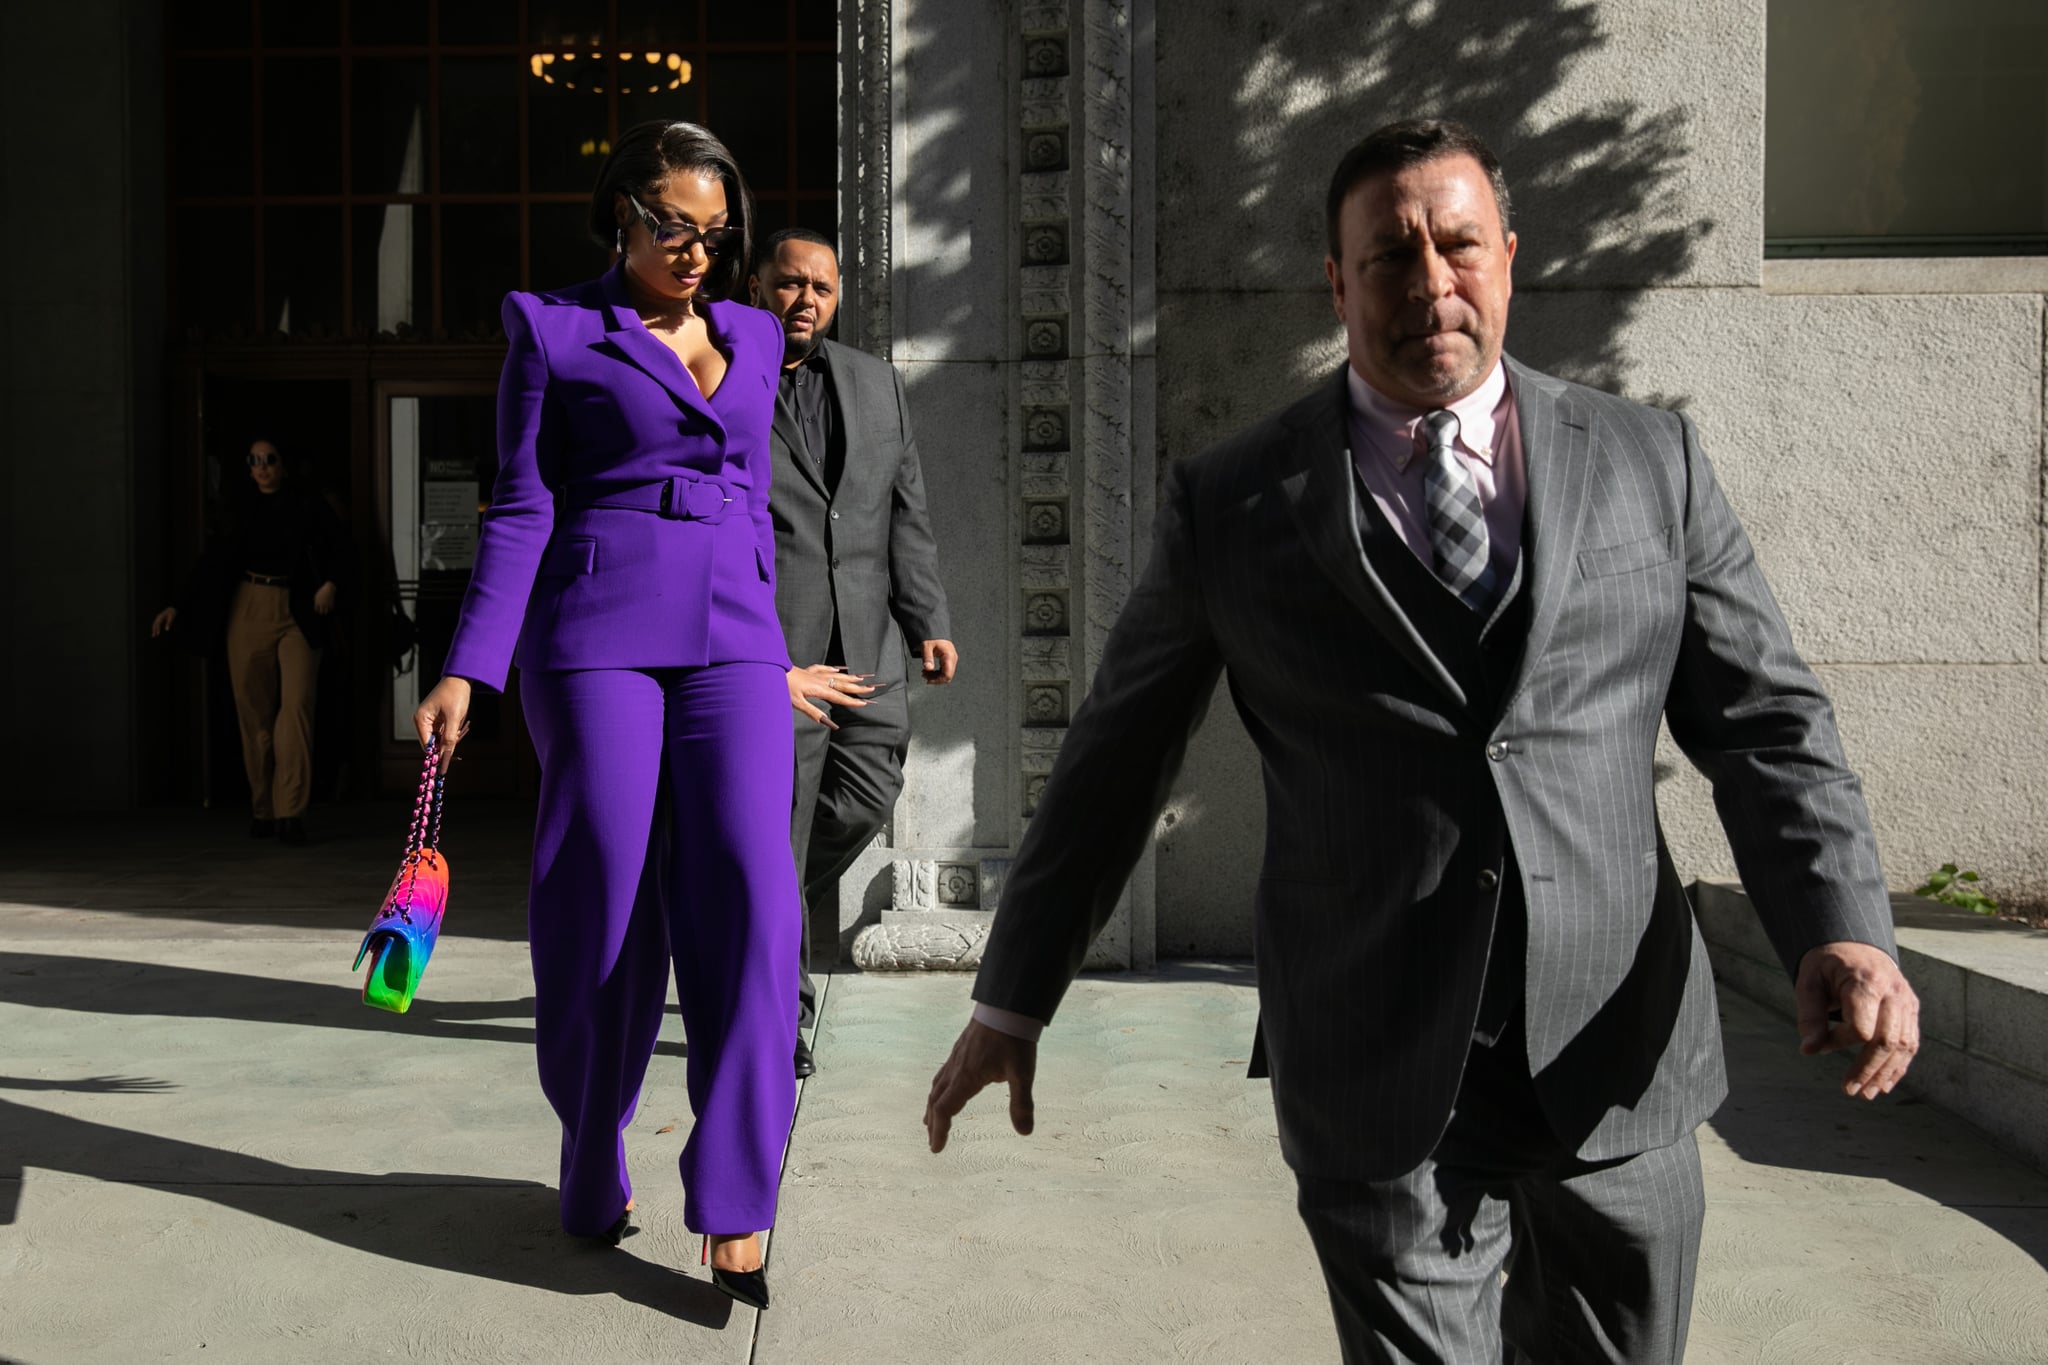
[749, 1287]
[618, 1232]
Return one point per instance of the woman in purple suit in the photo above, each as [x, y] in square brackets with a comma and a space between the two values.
[627, 566]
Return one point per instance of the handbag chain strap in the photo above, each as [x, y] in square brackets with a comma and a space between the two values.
[423, 837]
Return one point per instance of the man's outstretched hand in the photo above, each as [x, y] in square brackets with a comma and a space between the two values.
[1880, 1013]
[980, 1058]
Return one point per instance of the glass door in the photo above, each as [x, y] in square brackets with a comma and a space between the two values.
[439, 461]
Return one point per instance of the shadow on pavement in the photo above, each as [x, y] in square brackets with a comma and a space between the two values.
[1788, 1111]
[183, 863]
[493, 1229]
[107, 986]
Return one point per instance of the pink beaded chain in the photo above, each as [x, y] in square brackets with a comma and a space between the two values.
[423, 838]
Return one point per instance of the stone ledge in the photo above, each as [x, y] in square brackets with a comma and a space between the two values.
[1908, 275]
[1983, 987]
[928, 941]
[940, 941]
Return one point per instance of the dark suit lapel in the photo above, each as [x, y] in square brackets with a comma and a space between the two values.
[789, 436]
[1557, 461]
[845, 391]
[1321, 494]
[624, 330]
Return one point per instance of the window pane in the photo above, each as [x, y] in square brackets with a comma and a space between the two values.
[761, 21]
[478, 21]
[212, 149]
[647, 25]
[817, 121]
[301, 23]
[1921, 121]
[389, 110]
[479, 124]
[479, 263]
[390, 23]
[206, 23]
[552, 23]
[677, 103]
[560, 246]
[302, 270]
[749, 109]
[214, 256]
[302, 125]
[819, 215]
[817, 21]
[393, 248]
[566, 133]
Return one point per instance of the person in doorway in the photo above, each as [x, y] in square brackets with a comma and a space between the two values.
[1455, 597]
[628, 557]
[271, 577]
[857, 577]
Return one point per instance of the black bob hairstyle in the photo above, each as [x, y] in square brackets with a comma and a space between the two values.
[1396, 147]
[643, 158]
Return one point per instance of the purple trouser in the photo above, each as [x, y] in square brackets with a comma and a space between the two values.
[708, 752]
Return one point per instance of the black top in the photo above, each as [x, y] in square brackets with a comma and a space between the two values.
[808, 391]
[291, 534]
[272, 535]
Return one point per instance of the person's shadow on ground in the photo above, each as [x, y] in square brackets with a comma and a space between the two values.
[1788, 1111]
[111, 986]
[495, 1229]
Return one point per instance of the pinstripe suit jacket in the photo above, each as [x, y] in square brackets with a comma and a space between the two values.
[862, 552]
[1390, 796]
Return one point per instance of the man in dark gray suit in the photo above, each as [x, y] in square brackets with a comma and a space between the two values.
[1454, 597]
[857, 575]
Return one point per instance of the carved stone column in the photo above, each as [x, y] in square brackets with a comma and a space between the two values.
[1081, 460]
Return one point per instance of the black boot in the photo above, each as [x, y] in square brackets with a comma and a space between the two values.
[291, 830]
[262, 829]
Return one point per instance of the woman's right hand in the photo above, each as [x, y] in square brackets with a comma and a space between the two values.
[445, 712]
[163, 622]
[815, 689]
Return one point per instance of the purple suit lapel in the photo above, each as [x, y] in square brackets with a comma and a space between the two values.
[625, 330]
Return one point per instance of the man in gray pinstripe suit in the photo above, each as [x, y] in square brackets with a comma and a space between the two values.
[1454, 597]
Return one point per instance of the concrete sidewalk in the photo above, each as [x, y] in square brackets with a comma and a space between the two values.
[211, 1151]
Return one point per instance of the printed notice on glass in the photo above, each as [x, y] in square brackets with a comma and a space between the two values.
[448, 527]
[449, 500]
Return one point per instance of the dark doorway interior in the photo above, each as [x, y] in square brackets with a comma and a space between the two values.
[309, 421]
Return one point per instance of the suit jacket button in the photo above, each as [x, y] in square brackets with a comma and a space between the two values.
[835, 516]
[1488, 879]
[1497, 751]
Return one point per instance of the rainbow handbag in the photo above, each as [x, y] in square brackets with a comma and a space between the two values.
[402, 936]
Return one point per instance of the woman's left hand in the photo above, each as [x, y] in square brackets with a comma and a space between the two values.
[323, 598]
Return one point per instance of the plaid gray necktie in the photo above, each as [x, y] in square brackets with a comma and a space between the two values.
[1457, 524]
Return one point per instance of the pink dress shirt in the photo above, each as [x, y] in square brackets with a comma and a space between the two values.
[1391, 456]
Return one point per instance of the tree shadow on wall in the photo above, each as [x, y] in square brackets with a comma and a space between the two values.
[1595, 189]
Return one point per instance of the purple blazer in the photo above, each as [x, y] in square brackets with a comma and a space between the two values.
[629, 525]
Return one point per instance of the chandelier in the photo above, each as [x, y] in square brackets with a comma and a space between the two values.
[652, 72]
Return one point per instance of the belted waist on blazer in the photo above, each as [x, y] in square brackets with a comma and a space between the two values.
[599, 426]
[680, 497]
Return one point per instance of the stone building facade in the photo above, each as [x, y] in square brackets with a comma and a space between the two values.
[1089, 232]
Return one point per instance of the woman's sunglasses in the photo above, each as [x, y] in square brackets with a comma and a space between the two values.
[263, 461]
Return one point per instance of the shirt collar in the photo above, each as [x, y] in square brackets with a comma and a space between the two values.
[1478, 414]
[814, 362]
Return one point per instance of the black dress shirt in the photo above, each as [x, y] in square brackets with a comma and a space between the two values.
[808, 391]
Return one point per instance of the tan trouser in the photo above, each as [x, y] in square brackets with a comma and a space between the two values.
[273, 671]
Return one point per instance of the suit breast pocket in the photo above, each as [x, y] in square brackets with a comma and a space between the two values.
[1630, 556]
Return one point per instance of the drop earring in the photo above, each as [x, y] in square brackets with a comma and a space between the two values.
[619, 241]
